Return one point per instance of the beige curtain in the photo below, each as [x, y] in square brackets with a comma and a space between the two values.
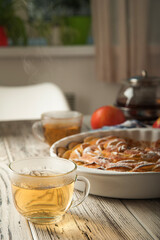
[120, 30]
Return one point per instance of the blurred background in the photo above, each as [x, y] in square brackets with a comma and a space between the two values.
[86, 47]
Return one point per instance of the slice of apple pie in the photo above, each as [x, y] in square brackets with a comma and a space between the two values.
[113, 153]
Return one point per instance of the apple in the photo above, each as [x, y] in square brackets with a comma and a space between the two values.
[107, 116]
[156, 124]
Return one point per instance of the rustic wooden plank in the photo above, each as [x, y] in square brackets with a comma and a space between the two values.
[12, 225]
[110, 214]
[3, 153]
[21, 141]
[147, 212]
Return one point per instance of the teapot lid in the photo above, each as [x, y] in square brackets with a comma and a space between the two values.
[144, 78]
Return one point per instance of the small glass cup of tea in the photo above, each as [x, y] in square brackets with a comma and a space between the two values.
[56, 125]
[43, 188]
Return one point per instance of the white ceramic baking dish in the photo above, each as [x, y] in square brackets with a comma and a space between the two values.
[140, 185]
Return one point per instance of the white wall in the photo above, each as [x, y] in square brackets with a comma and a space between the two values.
[72, 72]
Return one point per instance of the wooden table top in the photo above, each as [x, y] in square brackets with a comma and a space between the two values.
[96, 218]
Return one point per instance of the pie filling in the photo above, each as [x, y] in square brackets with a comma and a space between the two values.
[114, 154]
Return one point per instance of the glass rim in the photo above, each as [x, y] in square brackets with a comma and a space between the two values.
[45, 158]
[46, 115]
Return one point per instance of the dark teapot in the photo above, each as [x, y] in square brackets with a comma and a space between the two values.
[139, 97]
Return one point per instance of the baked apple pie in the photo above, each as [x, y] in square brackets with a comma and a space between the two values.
[114, 153]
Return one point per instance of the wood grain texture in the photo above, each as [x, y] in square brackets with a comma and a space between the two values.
[12, 224]
[95, 219]
[148, 213]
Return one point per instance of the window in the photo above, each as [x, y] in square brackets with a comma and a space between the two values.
[45, 23]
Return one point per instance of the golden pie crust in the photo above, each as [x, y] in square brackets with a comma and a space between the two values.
[114, 153]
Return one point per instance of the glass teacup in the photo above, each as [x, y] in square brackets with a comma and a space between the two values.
[56, 125]
[43, 188]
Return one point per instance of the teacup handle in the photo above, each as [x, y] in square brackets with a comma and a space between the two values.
[85, 192]
[38, 131]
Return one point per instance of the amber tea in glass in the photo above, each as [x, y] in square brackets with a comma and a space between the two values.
[56, 125]
[43, 188]
[43, 202]
[54, 132]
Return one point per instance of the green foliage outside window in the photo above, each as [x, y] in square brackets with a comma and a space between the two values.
[43, 18]
[13, 24]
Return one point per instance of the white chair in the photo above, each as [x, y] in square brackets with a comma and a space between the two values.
[29, 102]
